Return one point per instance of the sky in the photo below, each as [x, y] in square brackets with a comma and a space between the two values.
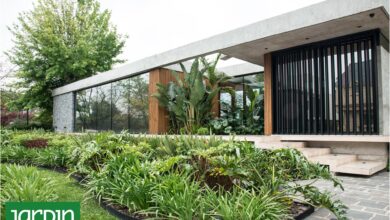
[154, 26]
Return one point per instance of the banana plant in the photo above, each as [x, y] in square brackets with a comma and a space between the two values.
[190, 98]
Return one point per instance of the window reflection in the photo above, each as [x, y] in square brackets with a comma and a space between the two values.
[86, 110]
[121, 105]
[138, 104]
[103, 107]
[242, 103]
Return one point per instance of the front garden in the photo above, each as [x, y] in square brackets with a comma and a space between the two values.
[182, 177]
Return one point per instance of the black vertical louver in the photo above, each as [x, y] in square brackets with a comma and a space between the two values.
[328, 87]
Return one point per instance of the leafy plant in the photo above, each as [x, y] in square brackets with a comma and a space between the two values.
[176, 197]
[25, 184]
[245, 204]
[184, 177]
[203, 131]
[189, 100]
[245, 120]
[65, 189]
[124, 181]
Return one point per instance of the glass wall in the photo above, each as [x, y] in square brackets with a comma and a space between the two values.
[241, 102]
[103, 107]
[120, 108]
[138, 104]
[86, 109]
[121, 105]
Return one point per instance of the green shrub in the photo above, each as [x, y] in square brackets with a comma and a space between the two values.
[5, 137]
[125, 181]
[177, 197]
[203, 131]
[25, 184]
[47, 157]
[245, 204]
[18, 154]
[91, 155]
[150, 175]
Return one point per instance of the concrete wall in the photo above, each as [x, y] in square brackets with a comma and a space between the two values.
[63, 112]
[383, 86]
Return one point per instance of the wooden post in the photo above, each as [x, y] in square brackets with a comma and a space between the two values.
[267, 94]
[158, 116]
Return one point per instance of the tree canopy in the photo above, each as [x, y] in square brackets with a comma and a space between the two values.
[59, 42]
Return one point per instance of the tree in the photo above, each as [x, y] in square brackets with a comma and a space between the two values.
[59, 42]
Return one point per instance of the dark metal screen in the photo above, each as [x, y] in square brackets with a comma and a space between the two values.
[328, 87]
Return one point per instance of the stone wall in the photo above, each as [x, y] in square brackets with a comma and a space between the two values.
[63, 112]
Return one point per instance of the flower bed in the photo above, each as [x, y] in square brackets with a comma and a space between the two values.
[182, 177]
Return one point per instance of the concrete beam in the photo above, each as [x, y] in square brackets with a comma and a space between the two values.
[239, 42]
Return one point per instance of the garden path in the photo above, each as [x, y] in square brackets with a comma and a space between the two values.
[366, 197]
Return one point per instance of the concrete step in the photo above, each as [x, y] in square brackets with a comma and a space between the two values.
[278, 145]
[361, 167]
[333, 160]
[314, 151]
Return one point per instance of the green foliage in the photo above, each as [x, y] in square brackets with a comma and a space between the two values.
[55, 155]
[189, 99]
[25, 184]
[181, 177]
[177, 197]
[125, 181]
[203, 131]
[91, 155]
[64, 189]
[59, 42]
[246, 204]
[246, 120]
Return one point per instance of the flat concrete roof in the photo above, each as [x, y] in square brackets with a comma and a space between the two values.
[328, 19]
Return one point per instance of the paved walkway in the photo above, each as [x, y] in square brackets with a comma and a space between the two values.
[366, 198]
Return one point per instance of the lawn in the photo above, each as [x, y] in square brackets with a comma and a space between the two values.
[182, 177]
[61, 188]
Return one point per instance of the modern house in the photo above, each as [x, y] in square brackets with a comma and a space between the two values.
[326, 84]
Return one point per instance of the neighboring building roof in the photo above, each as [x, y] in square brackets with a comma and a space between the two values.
[328, 19]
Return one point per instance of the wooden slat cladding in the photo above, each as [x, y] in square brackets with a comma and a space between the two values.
[267, 94]
[327, 87]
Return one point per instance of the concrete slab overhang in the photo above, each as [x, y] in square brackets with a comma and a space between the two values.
[317, 22]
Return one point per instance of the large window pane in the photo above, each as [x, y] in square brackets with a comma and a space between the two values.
[242, 104]
[104, 107]
[138, 104]
[86, 110]
[253, 112]
[232, 101]
[120, 106]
